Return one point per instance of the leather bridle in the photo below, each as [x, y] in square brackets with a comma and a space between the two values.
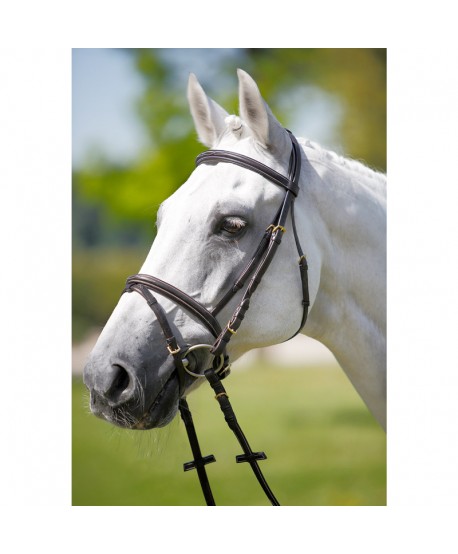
[145, 285]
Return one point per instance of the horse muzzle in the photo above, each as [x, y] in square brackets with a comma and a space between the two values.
[131, 400]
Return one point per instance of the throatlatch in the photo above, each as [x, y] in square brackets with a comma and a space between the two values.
[254, 271]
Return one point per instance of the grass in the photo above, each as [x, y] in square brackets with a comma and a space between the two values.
[323, 446]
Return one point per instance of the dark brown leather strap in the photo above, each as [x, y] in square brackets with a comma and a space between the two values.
[293, 176]
[246, 272]
[199, 461]
[248, 163]
[264, 256]
[248, 455]
[303, 268]
[174, 349]
[177, 296]
[239, 313]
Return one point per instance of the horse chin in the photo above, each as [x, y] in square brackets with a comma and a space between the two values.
[163, 409]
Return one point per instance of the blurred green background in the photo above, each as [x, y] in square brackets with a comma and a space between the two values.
[133, 145]
[323, 446]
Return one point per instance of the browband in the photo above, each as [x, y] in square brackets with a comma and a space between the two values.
[248, 163]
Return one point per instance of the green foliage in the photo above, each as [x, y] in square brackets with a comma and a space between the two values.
[98, 278]
[357, 76]
[323, 446]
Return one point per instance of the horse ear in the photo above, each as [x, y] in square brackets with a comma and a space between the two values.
[257, 114]
[207, 114]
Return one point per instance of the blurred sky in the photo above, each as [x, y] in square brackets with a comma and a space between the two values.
[105, 86]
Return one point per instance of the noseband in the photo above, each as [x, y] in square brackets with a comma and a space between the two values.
[253, 272]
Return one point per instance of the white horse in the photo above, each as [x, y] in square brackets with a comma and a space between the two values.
[209, 228]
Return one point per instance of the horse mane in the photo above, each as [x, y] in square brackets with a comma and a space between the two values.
[236, 128]
[350, 164]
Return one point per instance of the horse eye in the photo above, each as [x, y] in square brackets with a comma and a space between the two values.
[232, 226]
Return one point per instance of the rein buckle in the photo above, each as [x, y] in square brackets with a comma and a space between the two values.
[172, 351]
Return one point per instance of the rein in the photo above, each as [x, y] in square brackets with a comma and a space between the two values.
[145, 285]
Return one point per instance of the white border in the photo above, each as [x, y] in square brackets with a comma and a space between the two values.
[35, 180]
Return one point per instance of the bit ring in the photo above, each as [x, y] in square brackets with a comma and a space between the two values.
[205, 347]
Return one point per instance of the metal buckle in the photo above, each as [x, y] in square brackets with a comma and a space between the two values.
[276, 228]
[232, 331]
[171, 351]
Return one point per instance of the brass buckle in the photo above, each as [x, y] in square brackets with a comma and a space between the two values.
[171, 351]
[276, 228]
[231, 330]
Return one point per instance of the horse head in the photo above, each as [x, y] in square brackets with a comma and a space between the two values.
[207, 231]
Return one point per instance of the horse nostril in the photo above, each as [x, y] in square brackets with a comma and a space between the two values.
[120, 384]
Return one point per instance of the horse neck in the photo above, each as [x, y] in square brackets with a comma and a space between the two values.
[343, 212]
